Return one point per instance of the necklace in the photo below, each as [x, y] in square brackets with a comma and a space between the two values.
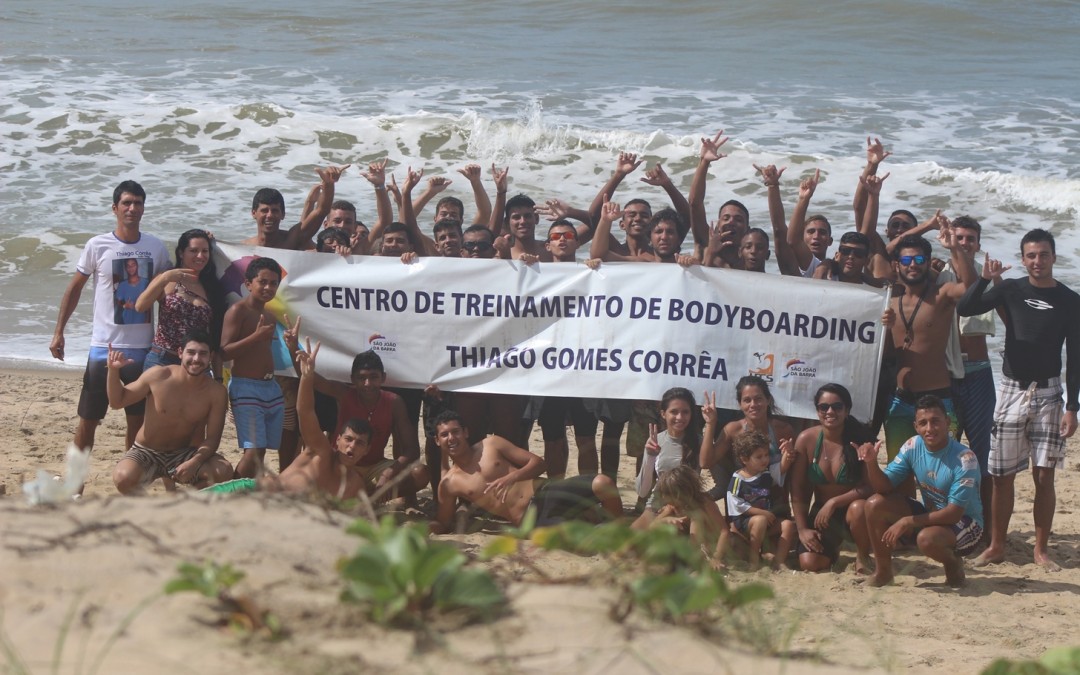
[909, 323]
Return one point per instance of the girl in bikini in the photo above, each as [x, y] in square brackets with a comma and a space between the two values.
[827, 467]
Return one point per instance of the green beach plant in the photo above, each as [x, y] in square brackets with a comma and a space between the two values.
[401, 576]
[215, 581]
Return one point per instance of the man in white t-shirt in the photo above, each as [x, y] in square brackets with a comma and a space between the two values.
[112, 260]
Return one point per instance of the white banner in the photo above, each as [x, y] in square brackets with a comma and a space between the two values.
[626, 330]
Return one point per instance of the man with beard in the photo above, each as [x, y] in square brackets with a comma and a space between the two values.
[185, 415]
[924, 316]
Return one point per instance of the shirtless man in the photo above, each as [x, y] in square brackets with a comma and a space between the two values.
[809, 239]
[498, 476]
[1041, 315]
[733, 219]
[753, 247]
[322, 466]
[179, 438]
[925, 313]
[637, 212]
[384, 412]
[268, 210]
[664, 239]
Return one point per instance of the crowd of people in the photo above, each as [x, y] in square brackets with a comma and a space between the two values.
[793, 491]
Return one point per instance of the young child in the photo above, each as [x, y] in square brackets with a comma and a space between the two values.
[678, 443]
[689, 507]
[749, 502]
[247, 334]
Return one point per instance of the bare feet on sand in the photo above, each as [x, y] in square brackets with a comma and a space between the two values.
[988, 557]
[863, 565]
[954, 573]
[880, 580]
[1043, 560]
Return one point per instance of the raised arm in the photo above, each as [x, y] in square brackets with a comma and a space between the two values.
[936, 221]
[962, 264]
[436, 184]
[376, 175]
[875, 155]
[474, 174]
[303, 231]
[699, 220]
[495, 222]
[868, 224]
[658, 177]
[798, 221]
[785, 256]
[122, 395]
[310, 430]
[626, 164]
[600, 247]
[555, 209]
[409, 217]
[980, 298]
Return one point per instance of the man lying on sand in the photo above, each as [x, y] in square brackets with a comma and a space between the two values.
[500, 478]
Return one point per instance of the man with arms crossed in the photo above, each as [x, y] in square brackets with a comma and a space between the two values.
[1041, 314]
[179, 439]
[105, 257]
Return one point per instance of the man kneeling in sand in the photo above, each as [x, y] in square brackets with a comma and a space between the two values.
[323, 467]
[947, 523]
[498, 476]
[185, 414]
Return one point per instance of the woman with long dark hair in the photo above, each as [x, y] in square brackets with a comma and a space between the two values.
[190, 297]
[827, 468]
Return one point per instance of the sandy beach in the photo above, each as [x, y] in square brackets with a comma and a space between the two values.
[101, 557]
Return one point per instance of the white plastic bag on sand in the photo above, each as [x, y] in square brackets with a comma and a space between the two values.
[48, 489]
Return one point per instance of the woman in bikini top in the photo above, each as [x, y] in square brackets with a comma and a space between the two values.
[190, 298]
[827, 470]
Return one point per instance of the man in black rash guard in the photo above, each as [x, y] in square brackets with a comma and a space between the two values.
[1041, 314]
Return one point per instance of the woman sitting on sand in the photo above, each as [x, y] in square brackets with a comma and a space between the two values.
[758, 409]
[191, 298]
[827, 466]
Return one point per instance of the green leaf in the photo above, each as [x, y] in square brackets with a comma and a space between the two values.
[472, 588]
[362, 527]
[435, 560]
[501, 545]
[1062, 660]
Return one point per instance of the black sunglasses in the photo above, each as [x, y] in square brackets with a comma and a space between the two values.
[835, 406]
[476, 246]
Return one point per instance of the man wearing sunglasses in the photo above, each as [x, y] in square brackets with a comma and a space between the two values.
[924, 313]
[1041, 314]
[849, 263]
[478, 242]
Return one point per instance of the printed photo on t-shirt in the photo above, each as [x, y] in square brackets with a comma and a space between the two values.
[131, 276]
